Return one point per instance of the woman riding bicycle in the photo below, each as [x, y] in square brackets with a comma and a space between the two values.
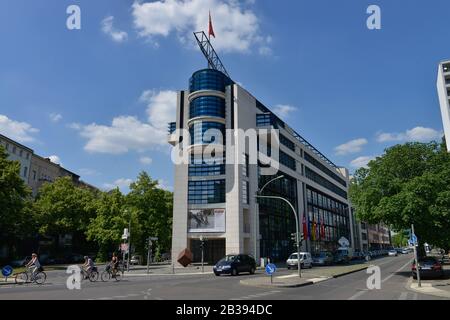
[34, 263]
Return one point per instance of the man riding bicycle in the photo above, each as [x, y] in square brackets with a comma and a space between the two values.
[88, 265]
[34, 264]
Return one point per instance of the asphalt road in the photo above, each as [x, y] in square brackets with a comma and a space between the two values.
[395, 274]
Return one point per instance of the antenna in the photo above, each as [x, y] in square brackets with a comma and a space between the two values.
[210, 54]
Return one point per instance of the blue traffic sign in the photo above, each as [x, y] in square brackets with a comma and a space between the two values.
[413, 239]
[270, 269]
[7, 271]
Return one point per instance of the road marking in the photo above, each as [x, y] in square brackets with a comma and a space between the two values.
[393, 274]
[358, 294]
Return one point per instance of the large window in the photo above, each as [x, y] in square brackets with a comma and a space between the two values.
[209, 79]
[204, 192]
[287, 160]
[317, 178]
[207, 106]
[324, 169]
[286, 142]
[197, 132]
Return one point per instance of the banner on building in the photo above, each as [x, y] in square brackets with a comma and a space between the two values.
[206, 220]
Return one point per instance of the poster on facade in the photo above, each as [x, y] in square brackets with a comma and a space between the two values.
[206, 220]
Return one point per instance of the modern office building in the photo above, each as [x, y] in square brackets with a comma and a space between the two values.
[443, 88]
[217, 201]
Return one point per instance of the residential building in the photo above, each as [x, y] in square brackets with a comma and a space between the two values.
[443, 88]
[217, 201]
[379, 236]
[20, 153]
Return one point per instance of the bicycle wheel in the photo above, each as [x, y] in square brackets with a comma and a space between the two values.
[105, 276]
[93, 276]
[21, 278]
[40, 277]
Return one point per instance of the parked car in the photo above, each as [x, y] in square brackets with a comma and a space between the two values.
[323, 258]
[429, 267]
[342, 256]
[135, 260]
[405, 251]
[392, 253]
[234, 264]
[306, 260]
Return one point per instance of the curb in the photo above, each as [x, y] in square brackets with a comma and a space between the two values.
[295, 285]
[349, 272]
[428, 289]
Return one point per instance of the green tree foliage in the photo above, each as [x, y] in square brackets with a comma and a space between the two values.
[409, 183]
[400, 240]
[62, 207]
[14, 200]
[152, 210]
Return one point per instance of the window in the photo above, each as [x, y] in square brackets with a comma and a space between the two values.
[245, 195]
[317, 178]
[28, 156]
[286, 142]
[200, 167]
[34, 175]
[7, 147]
[209, 79]
[263, 120]
[20, 153]
[287, 160]
[207, 106]
[25, 172]
[197, 132]
[324, 169]
[14, 149]
[245, 167]
[204, 192]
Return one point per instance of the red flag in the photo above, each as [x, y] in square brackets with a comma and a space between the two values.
[211, 30]
[305, 228]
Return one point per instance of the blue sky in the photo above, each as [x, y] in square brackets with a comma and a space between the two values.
[99, 98]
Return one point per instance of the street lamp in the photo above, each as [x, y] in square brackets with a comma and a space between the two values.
[295, 216]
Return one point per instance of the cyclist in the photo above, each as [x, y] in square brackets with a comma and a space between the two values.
[35, 264]
[88, 265]
[114, 263]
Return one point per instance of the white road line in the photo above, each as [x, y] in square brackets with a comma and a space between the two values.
[357, 295]
[393, 274]
[403, 296]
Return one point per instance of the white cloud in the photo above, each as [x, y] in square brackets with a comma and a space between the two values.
[235, 25]
[75, 126]
[352, 146]
[283, 110]
[19, 131]
[128, 132]
[419, 134]
[122, 183]
[55, 159]
[55, 117]
[145, 160]
[361, 161]
[108, 28]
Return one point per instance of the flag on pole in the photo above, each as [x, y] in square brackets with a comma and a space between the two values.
[313, 232]
[211, 30]
[305, 228]
[322, 230]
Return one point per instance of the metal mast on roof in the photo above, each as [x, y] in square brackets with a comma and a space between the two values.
[210, 54]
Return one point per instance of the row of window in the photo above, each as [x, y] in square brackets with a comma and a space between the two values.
[196, 170]
[324, 169]
[205, 192]
[207, 106]
[322, 201]
[17, 151]
[197, 133]
[317, 178]
[287, 161]
[209, 79]
[286, 142]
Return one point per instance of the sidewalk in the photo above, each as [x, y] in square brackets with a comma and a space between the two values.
[159, 270]
[438, 287]
[309, 276]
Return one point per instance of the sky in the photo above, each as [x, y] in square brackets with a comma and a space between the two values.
[97, 100]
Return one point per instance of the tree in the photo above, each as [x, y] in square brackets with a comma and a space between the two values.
[14, 197]
[153, 209]
[400, 240]
[409, 183]
[107, 226]
[64, 208]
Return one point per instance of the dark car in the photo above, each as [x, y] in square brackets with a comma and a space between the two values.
[234, 264]
[430, 267]
[323, 258]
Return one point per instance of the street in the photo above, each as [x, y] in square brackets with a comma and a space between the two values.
[395, 274]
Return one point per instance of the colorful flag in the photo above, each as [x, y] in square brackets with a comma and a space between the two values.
[305, 228]
[322, 230]
[313, 233]
[211, 30]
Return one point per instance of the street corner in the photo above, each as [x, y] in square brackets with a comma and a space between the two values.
[434, 288]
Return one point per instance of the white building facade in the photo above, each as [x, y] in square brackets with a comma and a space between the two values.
[443, 88]
[217, 201]
[20, 153]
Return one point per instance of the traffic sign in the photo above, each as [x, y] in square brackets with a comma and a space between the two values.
[7, 271]
[413, 239]
[270, 269]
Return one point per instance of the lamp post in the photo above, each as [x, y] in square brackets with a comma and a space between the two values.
[296, 220]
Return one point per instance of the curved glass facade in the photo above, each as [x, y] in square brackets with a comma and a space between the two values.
[207, 106]
[198, 129]
[208, 79]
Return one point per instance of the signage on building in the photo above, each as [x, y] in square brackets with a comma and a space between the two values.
[206, 220]
[343, 242]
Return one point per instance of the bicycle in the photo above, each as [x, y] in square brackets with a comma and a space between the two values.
[39, 277]
[92, 276]
[110, 273]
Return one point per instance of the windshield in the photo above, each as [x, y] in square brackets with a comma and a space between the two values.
[293, 256]
[229, 258]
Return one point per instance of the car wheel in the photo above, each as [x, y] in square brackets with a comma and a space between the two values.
[310, 265]
[234, 272]
[217, 274]
[252, 270]
[289, 268]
